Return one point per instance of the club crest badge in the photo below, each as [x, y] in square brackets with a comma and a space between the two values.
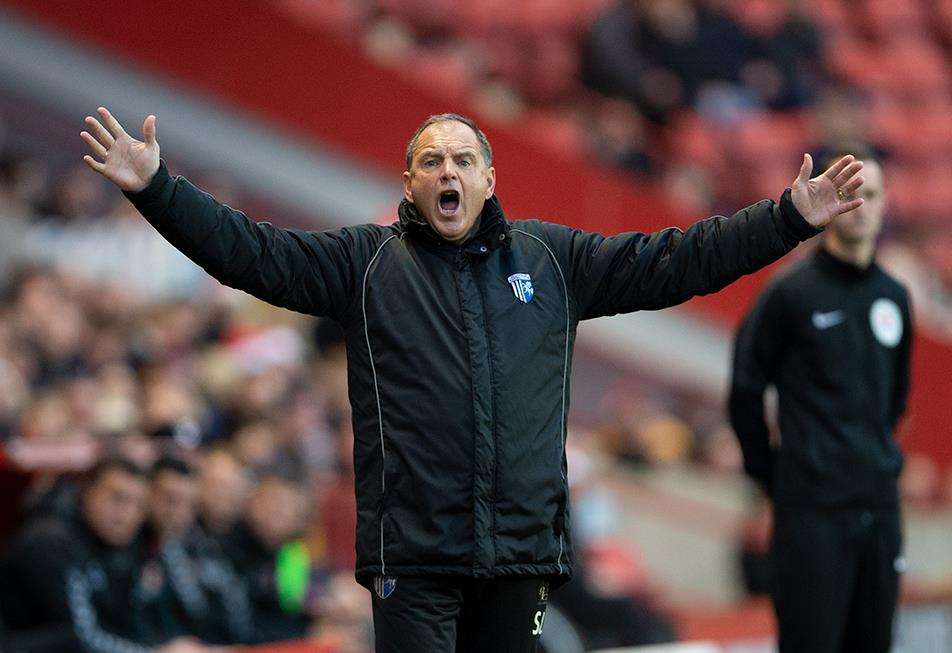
[384, 585]
[521, 287]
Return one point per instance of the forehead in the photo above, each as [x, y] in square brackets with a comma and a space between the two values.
[449, 134]
[872, 174]
[118, 480]
[169, 478]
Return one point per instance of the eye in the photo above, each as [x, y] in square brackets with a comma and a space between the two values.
[465, 163]
[429, 163]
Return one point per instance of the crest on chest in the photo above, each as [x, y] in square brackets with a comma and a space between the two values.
[521, 284]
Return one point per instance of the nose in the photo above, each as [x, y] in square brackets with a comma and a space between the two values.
[448, 171]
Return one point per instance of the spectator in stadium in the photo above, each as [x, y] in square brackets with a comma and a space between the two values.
[833, 335]
[77, 584]
[274, 563]
[663, 55]
[459, 327]
[224, 485]
[203, 596]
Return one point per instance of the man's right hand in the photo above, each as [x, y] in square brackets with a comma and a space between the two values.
[128, 163]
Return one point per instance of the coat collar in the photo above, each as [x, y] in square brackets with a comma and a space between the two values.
[491, 231]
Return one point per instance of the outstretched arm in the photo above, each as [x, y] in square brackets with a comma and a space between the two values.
[636, 271]
[304, 271]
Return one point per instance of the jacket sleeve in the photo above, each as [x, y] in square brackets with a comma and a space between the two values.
[39, 563]
[636, 271]
[758, 348]
[903, 364]
[310, 272]
[91, 635]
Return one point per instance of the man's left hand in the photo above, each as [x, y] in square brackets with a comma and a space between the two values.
[822, 198]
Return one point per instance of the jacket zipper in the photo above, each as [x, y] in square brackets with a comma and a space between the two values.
[492, 411]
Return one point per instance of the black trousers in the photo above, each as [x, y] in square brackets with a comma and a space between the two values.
[443, 614]
[836, 579]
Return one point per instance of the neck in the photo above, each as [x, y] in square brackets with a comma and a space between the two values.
[858, 253]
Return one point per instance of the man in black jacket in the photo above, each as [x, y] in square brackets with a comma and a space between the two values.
[459, 326]
[833, 336]
[203, 596]
[78, 584]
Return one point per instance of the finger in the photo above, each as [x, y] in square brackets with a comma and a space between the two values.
[837, 167]
[846, 207]
[111, 123]
[94, 164]
[806, 168]
[848, 172]
[148, 129]
[101, 133]
[96, 146]
[852, 185]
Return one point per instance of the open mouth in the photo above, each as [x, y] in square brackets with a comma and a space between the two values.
[449, 202]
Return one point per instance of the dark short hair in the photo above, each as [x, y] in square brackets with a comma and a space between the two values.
[484, 147]
[112, 464]
[860, 150]
[174, 465]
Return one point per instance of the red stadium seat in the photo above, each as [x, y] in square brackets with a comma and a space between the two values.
[851, 59]
[759, 16]
[888, 20]
[913, 132]
[769, 137]
[691, 139]
[831, 14]
[559, 131]
[913, 69]
[446, 69]
[339, 15]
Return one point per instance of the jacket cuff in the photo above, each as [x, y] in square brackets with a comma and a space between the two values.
[794, 221]
[152, 200]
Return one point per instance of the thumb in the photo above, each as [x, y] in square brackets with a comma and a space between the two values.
[805, 170]
[148, 130]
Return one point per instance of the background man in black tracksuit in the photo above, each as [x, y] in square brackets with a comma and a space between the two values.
[459, 326]
[203, 595]
[77, 584]
[832, 335]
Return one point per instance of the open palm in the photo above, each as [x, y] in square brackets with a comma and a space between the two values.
[123, 160]
[822, 198]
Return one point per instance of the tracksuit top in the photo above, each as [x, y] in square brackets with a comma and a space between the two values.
[459, 356]
[835, 341]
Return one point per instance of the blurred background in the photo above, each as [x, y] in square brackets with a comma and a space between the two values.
[608, 115]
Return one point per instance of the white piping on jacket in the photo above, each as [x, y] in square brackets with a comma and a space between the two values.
[373, 370]
[565, 370]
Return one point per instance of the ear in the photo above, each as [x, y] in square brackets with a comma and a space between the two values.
[407, 193]
[492, 182]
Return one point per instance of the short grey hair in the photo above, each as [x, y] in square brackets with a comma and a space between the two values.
[484, 147]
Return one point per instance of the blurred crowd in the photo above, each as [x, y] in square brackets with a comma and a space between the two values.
[187, 451]
[716, 100]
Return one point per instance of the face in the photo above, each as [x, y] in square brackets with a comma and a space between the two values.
[223, 489]
[862, 225]
[172, 502]
[448, 179]
[114, 507]
[276, 512]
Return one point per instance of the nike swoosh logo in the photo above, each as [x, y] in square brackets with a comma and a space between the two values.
[826, 320]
